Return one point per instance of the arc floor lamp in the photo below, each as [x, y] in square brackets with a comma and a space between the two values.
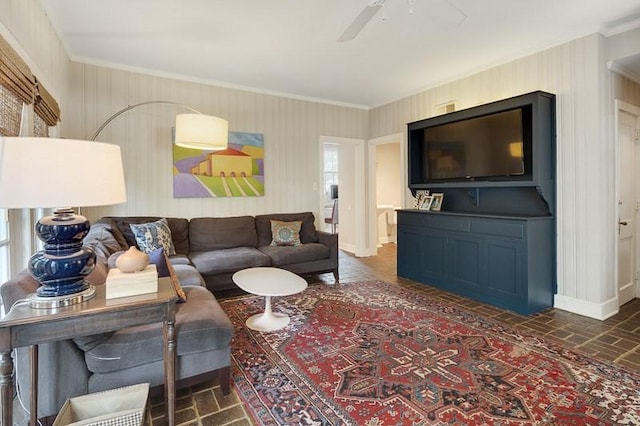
[60, 173]
[193, 130]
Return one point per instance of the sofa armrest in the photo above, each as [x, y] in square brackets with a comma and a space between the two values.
[331, 241]
[17, 288]
[55, 360]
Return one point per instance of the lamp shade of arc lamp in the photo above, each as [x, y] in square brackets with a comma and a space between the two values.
[199, 131]
[60, 174]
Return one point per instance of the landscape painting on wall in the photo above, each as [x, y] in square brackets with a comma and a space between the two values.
[237, 171]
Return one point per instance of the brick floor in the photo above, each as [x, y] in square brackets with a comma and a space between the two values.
[617, 339]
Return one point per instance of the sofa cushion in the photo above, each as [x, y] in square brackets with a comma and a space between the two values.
[101, 239]
[180, 259]
[285, 233]
[154, 235]
[115, 231]
[229, 260]
[179, 229]
[307, 230]
[201, 325]
[216, 233]
[286, 255]
[188, 275]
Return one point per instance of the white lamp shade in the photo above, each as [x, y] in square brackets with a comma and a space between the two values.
[199, 131]
[52, 173]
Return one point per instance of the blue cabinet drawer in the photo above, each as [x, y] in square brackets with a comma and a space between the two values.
[498, 228]
[449, 223]
[413, 218]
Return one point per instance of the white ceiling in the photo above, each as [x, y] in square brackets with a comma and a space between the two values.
[289, 47]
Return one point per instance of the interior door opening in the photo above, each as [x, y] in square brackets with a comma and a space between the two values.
[628, 201]
[343, 180]
[387, 188]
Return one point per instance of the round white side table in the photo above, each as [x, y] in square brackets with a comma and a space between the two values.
[268, 282]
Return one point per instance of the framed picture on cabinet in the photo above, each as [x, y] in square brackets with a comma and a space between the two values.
[427, 200]
[436, 203]
[419, 198]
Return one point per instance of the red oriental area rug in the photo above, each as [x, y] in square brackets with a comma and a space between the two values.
[374, 353]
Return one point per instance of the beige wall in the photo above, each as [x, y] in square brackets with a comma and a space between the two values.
[388, 178]
[291, 130]
[25, 26]
[576, 72]
[626, 90]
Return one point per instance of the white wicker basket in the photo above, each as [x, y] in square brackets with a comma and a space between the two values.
[118, 407]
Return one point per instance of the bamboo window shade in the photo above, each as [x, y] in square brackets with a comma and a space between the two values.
[17, 86]
[15, 74]
[10, 112]
[45, 106]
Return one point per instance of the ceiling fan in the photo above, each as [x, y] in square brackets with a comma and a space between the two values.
[446, 13]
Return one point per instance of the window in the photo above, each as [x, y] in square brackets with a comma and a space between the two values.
[4, 246]
[10, 116]
[22, 99]
[330, 170]
[10, 112]
[40, 127]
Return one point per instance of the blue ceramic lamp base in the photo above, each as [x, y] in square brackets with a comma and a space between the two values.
[61, 268]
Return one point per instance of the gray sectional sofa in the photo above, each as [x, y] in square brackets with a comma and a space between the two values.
[220, 246]
[133, 355]
[208, 252]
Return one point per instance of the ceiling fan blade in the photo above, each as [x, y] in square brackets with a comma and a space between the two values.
[361, 20]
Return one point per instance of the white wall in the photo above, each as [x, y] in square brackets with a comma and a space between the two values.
[576, 72]
[25, 26]
[291, 129]
[388, 178]
[347, 197]
[626, 90]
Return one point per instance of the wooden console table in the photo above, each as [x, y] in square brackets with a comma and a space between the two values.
[24, 326]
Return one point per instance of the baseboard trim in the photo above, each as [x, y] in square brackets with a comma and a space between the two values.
[348, 247]
[599, 311]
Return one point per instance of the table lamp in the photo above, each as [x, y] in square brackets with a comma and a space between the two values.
[60, 174]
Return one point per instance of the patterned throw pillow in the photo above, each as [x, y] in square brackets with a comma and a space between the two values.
[285, 233]
[152, 236]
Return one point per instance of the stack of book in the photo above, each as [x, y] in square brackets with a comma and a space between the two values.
[123, 284]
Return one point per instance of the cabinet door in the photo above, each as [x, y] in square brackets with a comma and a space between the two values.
[505, 268]
[465, 261]
[409, 243]
[434, 256]
[421, 254]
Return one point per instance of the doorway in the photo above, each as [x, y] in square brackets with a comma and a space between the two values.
[628, 201]
[350, 191]
[387, 183]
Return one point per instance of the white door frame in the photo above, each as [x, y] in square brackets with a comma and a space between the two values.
[399, 138]
[359, 202]
[621, 106]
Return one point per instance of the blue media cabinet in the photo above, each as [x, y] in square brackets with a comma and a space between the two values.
[504, 261]
[494, 240]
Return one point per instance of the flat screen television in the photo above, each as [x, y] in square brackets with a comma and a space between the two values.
[491, 146]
